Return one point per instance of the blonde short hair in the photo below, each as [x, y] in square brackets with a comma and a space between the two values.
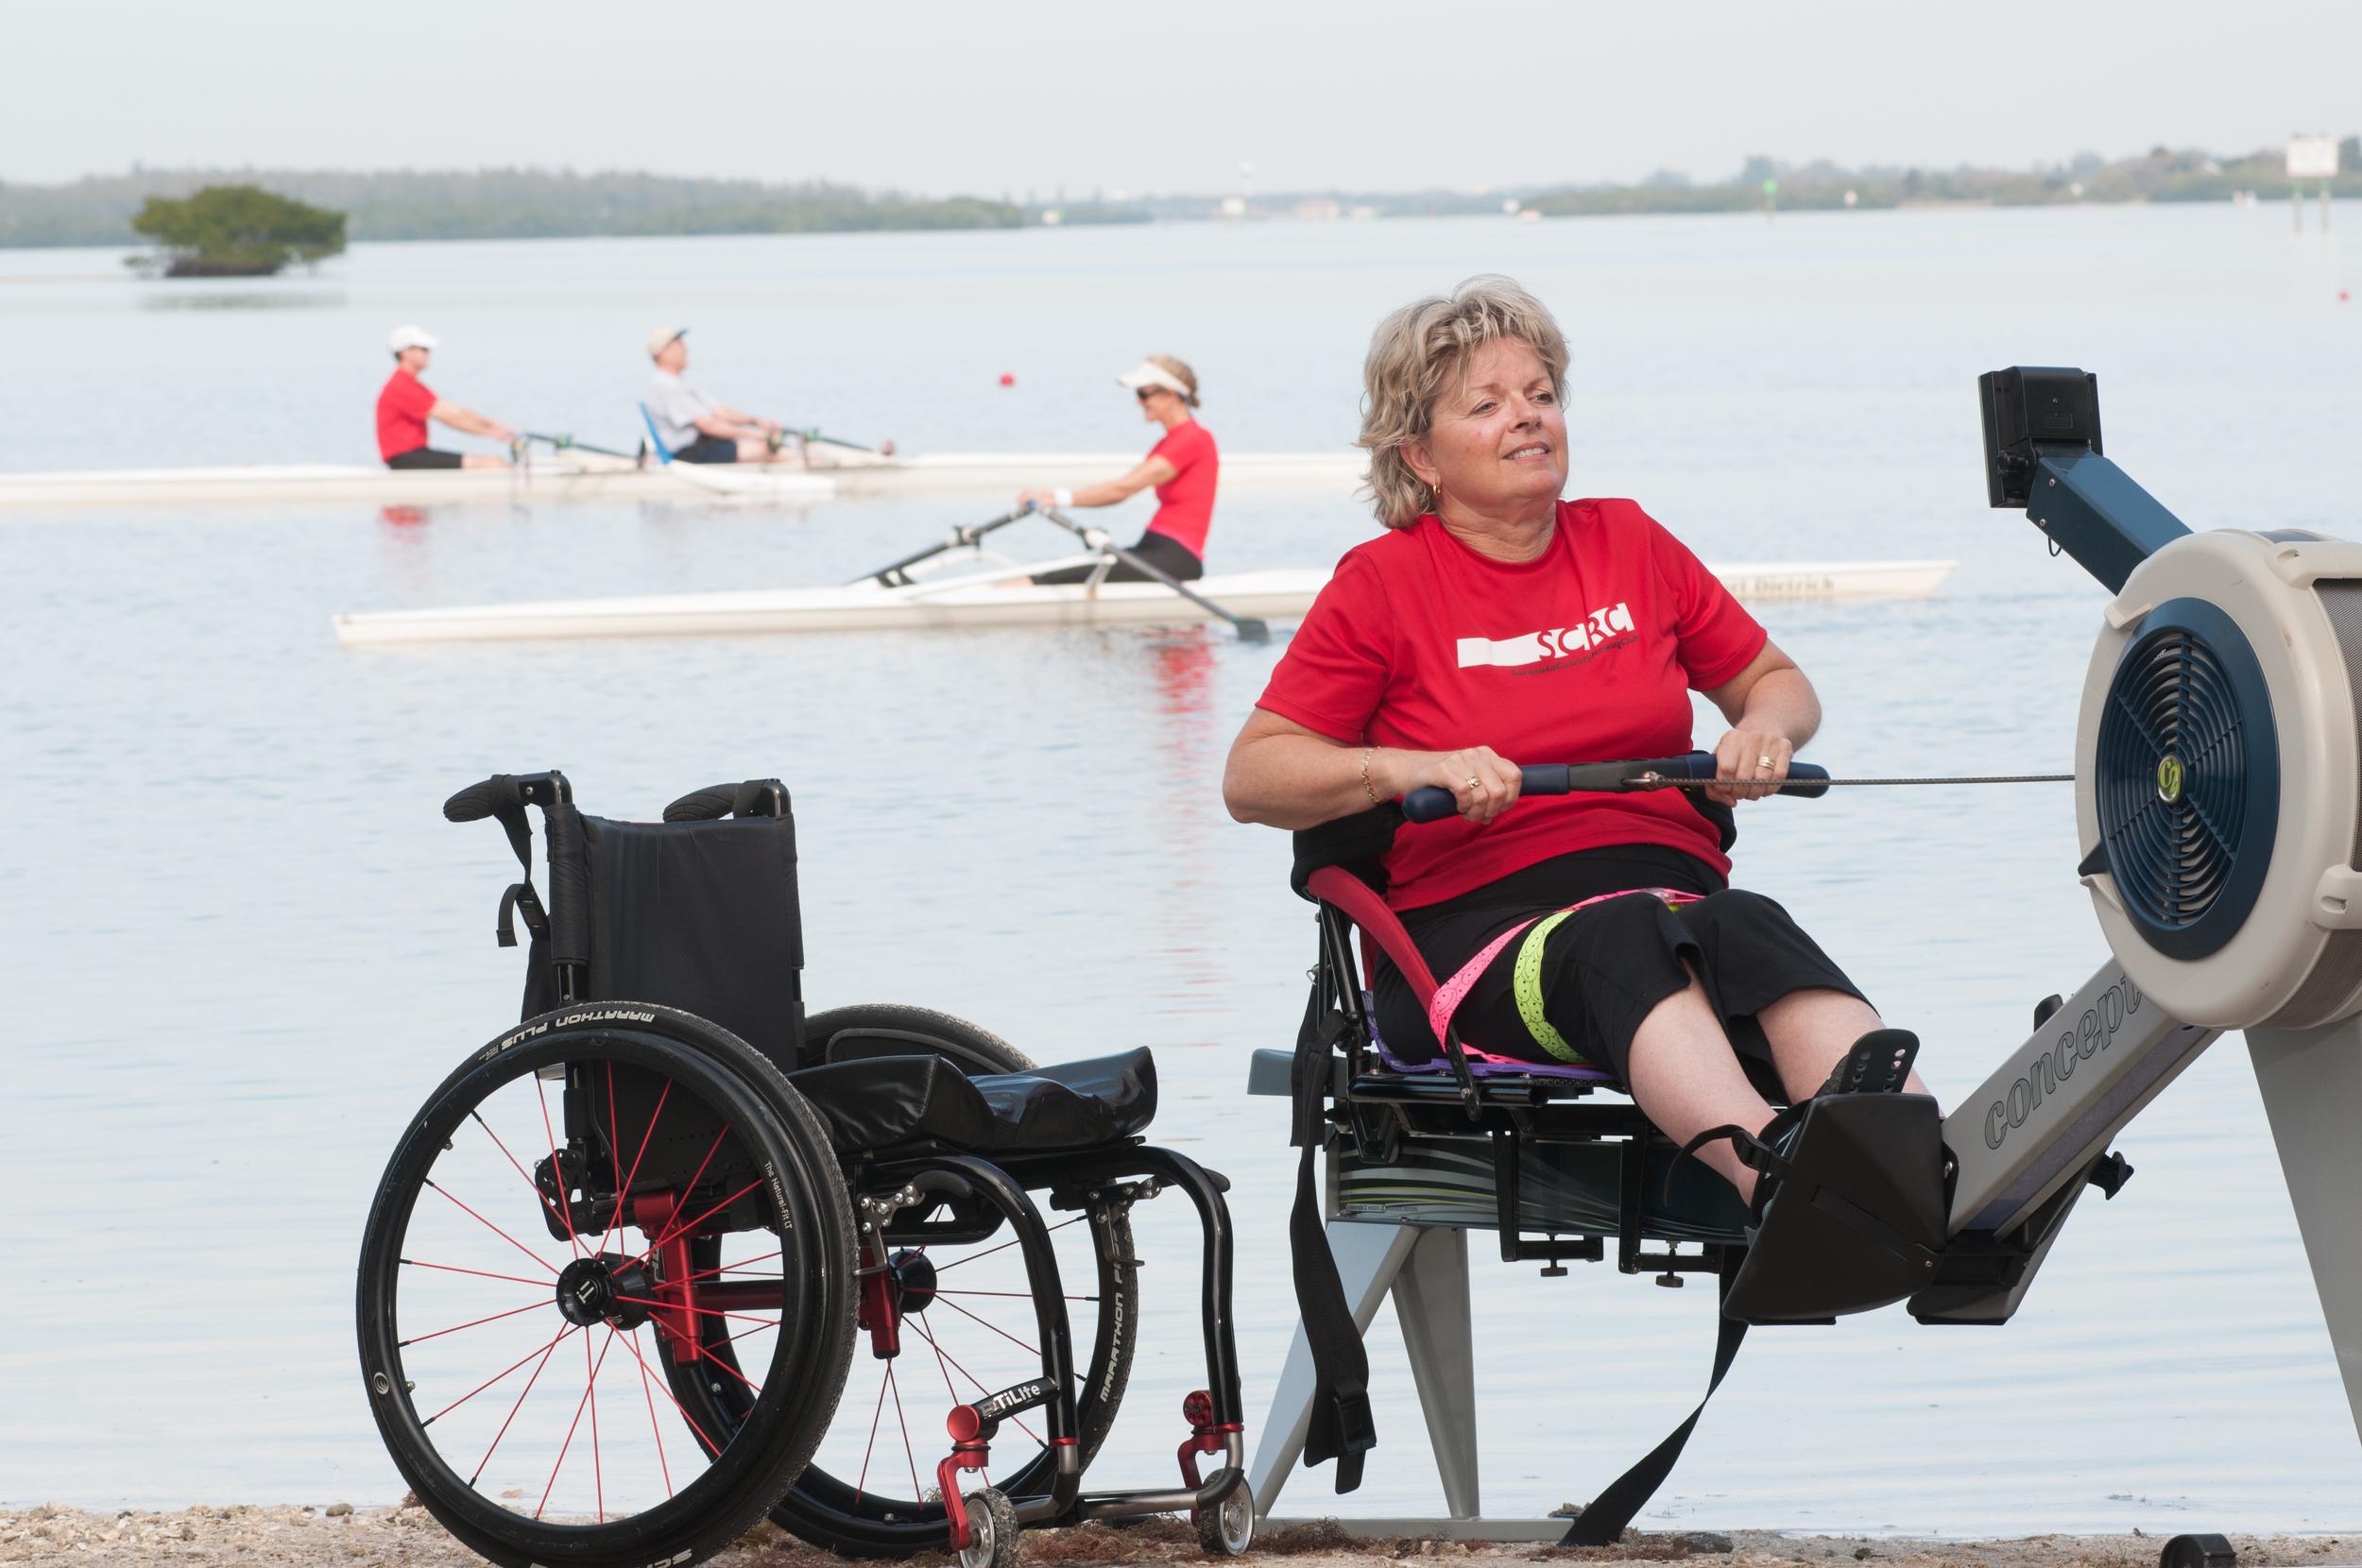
[1180, 372]
[1415, 353]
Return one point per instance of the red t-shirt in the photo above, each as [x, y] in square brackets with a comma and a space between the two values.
[401, 414]
[1185, 503]
[1586, 655]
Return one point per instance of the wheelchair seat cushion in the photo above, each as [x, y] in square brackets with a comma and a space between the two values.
[884, 1100]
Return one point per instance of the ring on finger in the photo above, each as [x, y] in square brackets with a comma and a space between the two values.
[1476, 783]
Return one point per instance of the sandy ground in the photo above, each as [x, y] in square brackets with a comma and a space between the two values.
[341, 1537]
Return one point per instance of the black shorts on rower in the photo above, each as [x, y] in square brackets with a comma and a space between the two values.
[424, 457]
[1161, 551]
[708, 448]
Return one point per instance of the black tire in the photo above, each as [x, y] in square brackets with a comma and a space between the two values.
[674, 1079]
[891, 1028]
[991, 1530]
[860, 1519]
[1227, 1528]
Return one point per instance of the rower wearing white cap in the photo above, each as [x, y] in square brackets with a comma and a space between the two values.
[406, 405]
[1183, 466]
[691, 426]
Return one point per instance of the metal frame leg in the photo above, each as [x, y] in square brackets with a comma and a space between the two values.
[2311, 1081]
[1427, 1268]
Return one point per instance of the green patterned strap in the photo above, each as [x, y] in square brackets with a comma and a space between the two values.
[1528, 990]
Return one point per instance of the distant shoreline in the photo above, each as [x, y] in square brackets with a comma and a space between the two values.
[538, 204]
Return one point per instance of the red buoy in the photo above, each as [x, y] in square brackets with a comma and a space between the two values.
[1008, 380]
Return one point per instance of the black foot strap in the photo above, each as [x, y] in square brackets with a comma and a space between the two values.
[1753, 1152]
[1342, 1429]
[1603, 1522]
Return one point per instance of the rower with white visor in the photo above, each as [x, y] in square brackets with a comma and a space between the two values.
[404, 406]
[692, 427]
[1183, 466]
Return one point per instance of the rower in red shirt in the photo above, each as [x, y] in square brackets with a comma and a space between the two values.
[1183, 466]
[406, 405]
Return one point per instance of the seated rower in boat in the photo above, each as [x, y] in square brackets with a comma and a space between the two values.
[1183, 466]
[691, 425]
[404, 407]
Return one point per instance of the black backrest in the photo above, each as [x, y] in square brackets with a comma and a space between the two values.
[694, 911]
[702, 916]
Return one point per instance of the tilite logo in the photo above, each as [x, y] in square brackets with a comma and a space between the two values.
[1559, 642]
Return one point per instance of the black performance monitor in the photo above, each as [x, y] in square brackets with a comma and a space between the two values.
[2026, 406]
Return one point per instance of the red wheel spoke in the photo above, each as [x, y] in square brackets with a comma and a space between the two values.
[478, 1323]
[591, 1390]
[568, 1443]
[541, 1196]
[623, 1188]
[740, 1375]
[547, 1351]
[453, 1269]
[1005, 1245]
[663, 1463]
[728, 1267]
[965, 1372]
[557, 1171]
[908, 1452]
[701, 1311]
[995, 1327]
[498, 1231]
[676, 1228]
[861, 1485]
[670, 1230]
[496, 1377]
[1020, 1295]
[633, 1345]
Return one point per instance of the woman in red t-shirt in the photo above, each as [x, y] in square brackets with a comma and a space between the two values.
[1183, 466]
[1494, 622]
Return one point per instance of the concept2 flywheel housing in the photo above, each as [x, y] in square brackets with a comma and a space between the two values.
[2218, 750]
[2217, 786]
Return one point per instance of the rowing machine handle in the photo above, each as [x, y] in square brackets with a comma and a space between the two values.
[1431, 803]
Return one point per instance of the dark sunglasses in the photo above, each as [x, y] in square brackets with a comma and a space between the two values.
[1144, 393]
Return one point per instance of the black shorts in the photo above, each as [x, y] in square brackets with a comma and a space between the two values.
[1161, 551]
[708, 449]
[1603, 969]
[424, 458]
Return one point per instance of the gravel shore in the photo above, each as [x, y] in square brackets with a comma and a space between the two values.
[339, 1536]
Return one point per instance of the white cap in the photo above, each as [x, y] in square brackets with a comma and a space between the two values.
[410, 337]
[1149, 373]
[663, 338]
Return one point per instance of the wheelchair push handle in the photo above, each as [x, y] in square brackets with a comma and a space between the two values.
[481, 800]
[756, 798]
[1431, 803]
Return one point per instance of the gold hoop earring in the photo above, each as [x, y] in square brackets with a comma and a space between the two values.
[1436, 504]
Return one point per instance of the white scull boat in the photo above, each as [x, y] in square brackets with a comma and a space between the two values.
[990, 599]
[578, 475]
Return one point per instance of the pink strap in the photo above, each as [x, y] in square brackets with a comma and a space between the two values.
[1454, 991]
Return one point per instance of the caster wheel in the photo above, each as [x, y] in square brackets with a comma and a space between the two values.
[2197, 1551]
[991, 1530]
[1227, 1528]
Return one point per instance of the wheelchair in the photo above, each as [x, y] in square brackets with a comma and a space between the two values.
[669, 1255]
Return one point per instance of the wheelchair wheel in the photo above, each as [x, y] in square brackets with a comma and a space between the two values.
[582, 1213]
[964, 1334]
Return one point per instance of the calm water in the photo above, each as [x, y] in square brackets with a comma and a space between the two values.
[241, 943]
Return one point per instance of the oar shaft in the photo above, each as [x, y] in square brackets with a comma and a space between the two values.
[1249, 629]
[962, 537]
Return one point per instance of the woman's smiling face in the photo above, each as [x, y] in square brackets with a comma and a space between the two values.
[1497, 442]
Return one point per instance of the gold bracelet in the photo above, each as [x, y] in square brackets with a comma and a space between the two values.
[1365, 776]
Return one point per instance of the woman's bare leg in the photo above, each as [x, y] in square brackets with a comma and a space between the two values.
[1686, 1078]
[1811, 1030]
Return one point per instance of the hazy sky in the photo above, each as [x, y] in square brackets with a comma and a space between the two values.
[947, 98]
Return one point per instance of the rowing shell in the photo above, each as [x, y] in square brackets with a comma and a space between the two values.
[993, 599]
[578, 475]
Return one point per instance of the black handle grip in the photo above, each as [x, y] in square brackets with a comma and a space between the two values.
[756, 797]
[1432, 803]
[478, 801]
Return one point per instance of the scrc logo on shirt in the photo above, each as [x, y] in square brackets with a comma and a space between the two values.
[1558, 642]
